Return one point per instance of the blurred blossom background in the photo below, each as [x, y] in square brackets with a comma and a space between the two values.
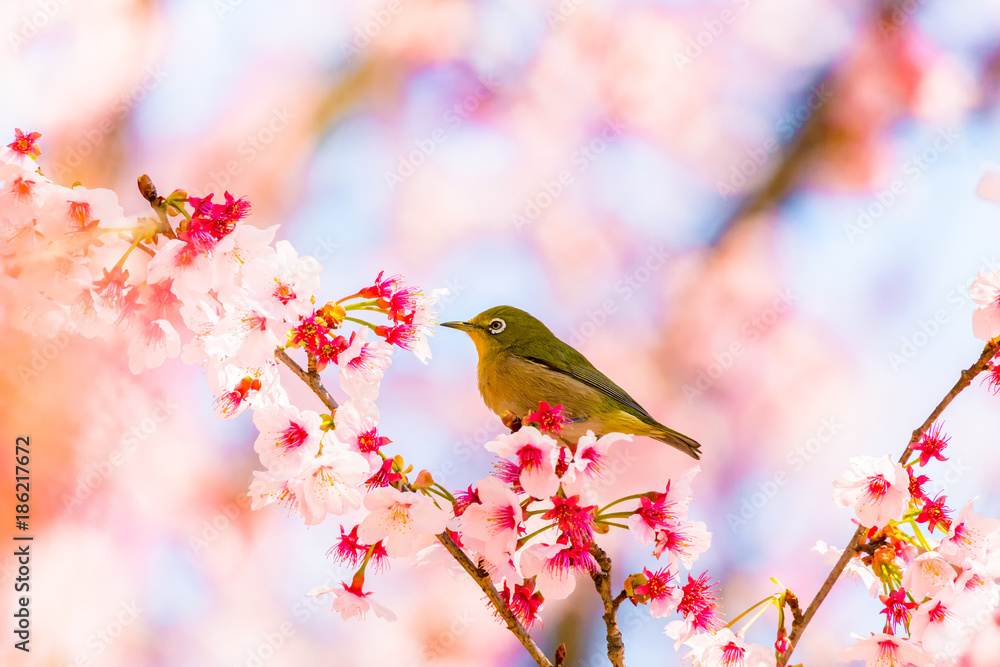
[759, 217]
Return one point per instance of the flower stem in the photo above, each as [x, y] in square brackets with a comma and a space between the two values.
[636, 496]
[769, 598]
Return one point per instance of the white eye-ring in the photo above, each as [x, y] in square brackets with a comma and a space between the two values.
[497, 325]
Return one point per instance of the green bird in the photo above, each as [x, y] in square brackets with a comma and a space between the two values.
[522, 363]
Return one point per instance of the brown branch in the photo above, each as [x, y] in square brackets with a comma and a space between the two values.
[480, 576]
[483, 579]
[818, 133]
[968, 375]
[310, 378]
[602, 582]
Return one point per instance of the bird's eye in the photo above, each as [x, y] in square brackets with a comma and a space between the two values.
[497, 325]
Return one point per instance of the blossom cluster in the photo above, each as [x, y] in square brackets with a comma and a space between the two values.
[197, 282]
[194, 280]
[933, 572]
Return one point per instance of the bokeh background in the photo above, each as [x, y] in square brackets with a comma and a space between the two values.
[759, 216]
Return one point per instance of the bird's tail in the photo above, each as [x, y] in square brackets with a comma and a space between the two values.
[676, 440]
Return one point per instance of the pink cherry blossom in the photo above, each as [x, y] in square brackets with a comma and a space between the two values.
[971, 538]
[536, 456]
[23, 150]
[353, 603]
[284, 280]
[362, 366]
[267, 488]
[725, 648]
[156, 341]
[555, 566]
[524, 601]
[399, 518]
[876, 488]
[651, 516]
[288, 437]
[927, 574]
[683, 542]
[356, 427]
[422, 321]
[697, 608]
[945, 622]
[574, 520]
[884, 650]
[663, 597]
[985, 291]
[492, 526]
[588, 461]
[331, 483]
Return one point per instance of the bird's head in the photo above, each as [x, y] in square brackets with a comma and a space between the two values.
[504, 328]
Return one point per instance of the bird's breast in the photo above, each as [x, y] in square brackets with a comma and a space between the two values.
[508, 382]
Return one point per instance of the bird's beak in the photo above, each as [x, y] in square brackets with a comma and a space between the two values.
[461, 326]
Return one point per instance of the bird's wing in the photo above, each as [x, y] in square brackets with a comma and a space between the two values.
[578, 367]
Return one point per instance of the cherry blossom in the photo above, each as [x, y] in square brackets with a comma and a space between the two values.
[971, 537]
[927, 574]
[362, 365]
[884, 650]
[288, 437]
[331, 483]
[536, 455]
[398, 518]
[876, 488]
[492, 525]
[725, 648]
[985, 291]
[352, 602]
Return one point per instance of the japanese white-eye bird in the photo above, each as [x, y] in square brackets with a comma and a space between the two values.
[522, 363]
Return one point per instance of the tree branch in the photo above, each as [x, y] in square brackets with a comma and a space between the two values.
[311, 378]
[968, 375]
[481, 577]
[602, 581]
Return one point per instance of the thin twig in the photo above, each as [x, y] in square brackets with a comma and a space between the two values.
[311, 379]
[968, 375]
[483, 579]
[602, 581]
[480, 576]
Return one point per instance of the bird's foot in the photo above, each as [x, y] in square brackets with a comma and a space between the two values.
[511, 421]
